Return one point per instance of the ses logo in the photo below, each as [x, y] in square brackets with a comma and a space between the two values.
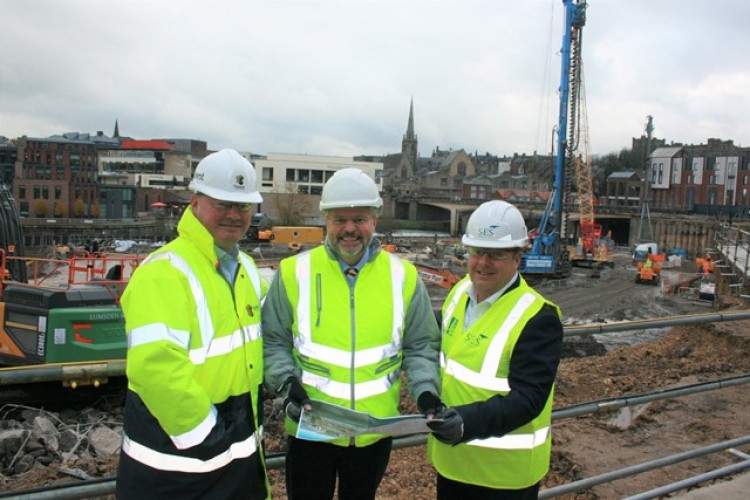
[487, 232]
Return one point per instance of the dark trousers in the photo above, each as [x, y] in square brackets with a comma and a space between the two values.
[312, 467]
[447, 489]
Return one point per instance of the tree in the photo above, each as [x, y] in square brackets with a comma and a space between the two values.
[41, 208]
[78, 207]
[291, 206]
[60, 209]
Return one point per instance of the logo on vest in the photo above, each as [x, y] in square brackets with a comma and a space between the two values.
[451, 326]
[474, 339]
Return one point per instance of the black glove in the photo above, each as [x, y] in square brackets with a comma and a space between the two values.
[296, 398]
[447, 426]
[429, 404]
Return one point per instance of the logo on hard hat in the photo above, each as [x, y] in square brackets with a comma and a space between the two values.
[487, 231]
[239, 181]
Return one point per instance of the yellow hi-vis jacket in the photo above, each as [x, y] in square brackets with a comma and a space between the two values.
[475, 368]
[195, 369]
[348, 342]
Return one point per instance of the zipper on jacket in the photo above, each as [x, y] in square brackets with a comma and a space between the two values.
[318, 298]
[353, 335]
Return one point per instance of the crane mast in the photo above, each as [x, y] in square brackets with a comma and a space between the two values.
[548, 254]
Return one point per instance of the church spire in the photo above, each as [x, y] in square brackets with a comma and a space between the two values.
[410, 126]
[409, 146]
[116, 133]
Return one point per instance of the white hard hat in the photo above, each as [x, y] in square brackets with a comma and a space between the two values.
[348, 188]
[496, 224]
[227, 176]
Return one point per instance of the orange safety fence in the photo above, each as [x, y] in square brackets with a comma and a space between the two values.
[113, 271]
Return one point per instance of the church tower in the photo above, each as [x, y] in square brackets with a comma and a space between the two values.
[409, 146]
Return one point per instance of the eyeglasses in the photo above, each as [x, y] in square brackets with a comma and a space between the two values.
[226, 206]
[341, 221]
[492, 254]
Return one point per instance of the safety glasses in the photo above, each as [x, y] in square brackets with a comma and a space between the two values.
[226, 206]
[493, 254]
[341, 221]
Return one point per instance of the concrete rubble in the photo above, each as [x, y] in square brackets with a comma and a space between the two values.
[36, 437]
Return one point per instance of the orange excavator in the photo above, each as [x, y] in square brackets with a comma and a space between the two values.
[429, 274]
[434, 276]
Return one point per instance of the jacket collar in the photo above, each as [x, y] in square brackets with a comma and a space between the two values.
[191, 229]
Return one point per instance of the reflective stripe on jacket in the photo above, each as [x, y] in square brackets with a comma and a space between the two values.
[475, 365]
[195, 359]
[348, 341]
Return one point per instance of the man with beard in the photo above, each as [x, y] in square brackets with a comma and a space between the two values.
[340, 323]
[193, 410]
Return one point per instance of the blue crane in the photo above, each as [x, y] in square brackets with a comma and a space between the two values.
[548, 254]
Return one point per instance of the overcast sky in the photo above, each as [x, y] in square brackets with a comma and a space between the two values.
[336, 78]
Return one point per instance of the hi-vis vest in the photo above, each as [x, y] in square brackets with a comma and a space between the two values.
[475, 365]
[348, 340]
[194, 344]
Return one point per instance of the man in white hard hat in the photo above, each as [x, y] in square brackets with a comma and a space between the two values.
[340, 323]
[501, 345]
[195, 356]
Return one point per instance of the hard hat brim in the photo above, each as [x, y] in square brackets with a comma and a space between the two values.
[221, 195]
[488, 243]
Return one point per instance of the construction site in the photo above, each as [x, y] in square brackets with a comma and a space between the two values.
[650, 399]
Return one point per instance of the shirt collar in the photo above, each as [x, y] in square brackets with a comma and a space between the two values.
[225, 256]
[359, 265]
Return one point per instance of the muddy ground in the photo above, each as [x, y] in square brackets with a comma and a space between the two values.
[632, 364]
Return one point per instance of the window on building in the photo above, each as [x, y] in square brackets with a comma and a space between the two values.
[303, 189]
[267, 174]
[316, 190]
[58, 192]
[290, 175]
[21, 191]
[303, 175]
[317, 176]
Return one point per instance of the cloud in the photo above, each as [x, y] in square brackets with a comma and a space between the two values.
[336, 77]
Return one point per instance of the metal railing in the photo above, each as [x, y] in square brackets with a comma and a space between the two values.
[106, 486]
